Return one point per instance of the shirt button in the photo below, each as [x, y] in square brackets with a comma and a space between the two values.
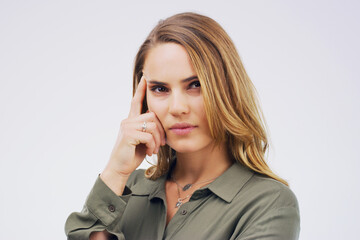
[183, 212]
[111, 208]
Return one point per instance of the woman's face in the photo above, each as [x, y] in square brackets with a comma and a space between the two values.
[174, 95]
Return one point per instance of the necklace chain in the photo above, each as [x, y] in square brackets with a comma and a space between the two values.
[180, 200]
[184, 188]
[189, 185]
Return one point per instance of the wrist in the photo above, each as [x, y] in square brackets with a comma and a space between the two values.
[114, 180]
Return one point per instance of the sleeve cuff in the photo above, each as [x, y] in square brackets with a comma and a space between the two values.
[105, 204]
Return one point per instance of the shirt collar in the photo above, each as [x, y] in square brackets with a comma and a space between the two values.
[231, 182]
[226, 186]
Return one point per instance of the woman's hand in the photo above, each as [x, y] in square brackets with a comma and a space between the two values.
[139, 135]
[100, 235]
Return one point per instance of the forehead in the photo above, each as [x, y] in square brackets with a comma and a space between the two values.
[168, 62]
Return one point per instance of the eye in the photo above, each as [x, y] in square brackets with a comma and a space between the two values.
[195, 84]
[158, 89]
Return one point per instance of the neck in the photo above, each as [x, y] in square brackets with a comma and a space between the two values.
[203, 165]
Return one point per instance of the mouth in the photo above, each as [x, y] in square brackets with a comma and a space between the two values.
[182, 128]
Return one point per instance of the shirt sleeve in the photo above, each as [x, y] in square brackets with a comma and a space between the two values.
[281, 222]
[103, 209]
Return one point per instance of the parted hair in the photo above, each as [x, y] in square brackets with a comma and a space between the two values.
[230, 98]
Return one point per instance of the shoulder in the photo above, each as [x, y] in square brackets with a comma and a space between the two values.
[270, 192]
[261, 195]
[245, 186]
[268, 207]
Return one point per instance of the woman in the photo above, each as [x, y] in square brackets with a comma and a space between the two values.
[195, 107]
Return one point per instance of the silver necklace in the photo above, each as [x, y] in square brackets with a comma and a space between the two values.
[180, 200]
[186, 187]
[189, 185]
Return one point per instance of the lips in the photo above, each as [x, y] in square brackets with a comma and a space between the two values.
[182, 128]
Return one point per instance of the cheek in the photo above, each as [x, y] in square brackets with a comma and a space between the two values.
[199, 107]
[202, 114]
[157, 106]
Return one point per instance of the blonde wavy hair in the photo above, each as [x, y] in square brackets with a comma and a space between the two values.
[230, 98]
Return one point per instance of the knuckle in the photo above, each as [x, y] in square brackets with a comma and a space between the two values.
[149, 138]
[152, 125]
[151, 114]
[124, 124]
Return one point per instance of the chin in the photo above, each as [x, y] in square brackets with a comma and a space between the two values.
[184, 149]
[188, 146]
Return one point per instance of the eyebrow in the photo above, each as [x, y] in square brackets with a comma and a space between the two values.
[162, 83]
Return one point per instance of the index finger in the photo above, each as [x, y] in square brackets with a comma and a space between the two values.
[136, 102]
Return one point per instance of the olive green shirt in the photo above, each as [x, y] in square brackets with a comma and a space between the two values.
[239, 204]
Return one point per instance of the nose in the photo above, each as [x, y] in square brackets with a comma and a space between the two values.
[178, 104]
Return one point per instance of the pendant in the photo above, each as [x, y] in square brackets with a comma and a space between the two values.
[187, 186]
[178, 204]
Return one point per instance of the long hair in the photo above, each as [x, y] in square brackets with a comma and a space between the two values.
[230, 98]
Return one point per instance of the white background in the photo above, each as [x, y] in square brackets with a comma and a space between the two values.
[65, 85]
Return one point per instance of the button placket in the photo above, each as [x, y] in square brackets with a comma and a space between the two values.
[185, 211]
